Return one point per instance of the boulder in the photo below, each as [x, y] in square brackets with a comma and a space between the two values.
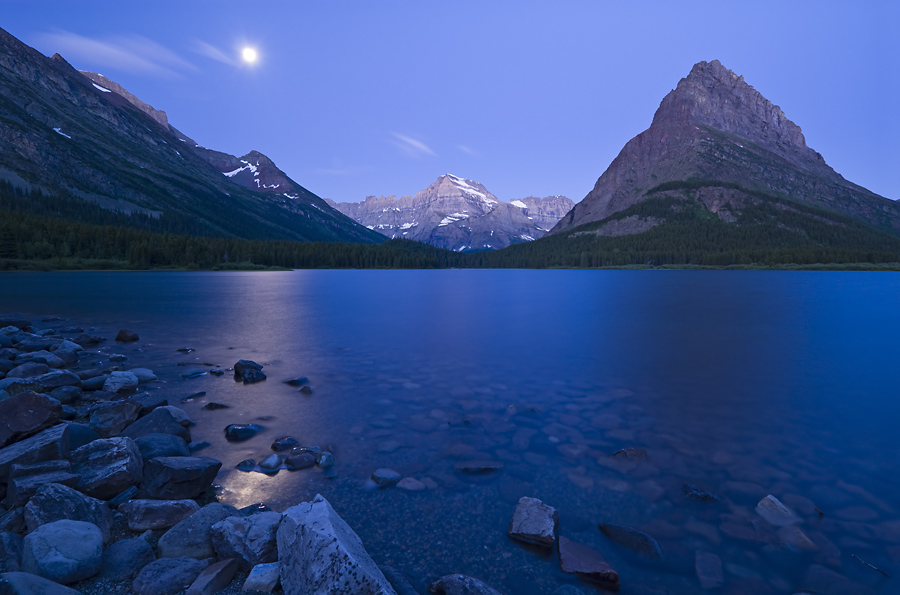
[248, 371]
[86, 340]
[63, 551]
[285, 443]
[319, 553]
[303, 460]
[127, 336]
[263, 577]
[191, 538]
[534, 522]
[107, 466]
[158, 421]
[179, 415]
[177, 478]
[54, 502]
[123, 559]
[249, 540]
[709, 570]
[14, 386]
[633, 539]
[51, 360]
[10, 552]
[66, 394]
[161, 445]
[459, 584]
[384, 478]
[21, 489]
[13, 521]
[26, 414]
[143, 515]
[109, 419]
[94, 383]
[55, 379]
[241, 432]
[149, 401]
[52, 443]
[167, 576]
[214, 578]
[587, 563]
[28, 370]
[25, 583]
[143, 375]
[67, 356]
[120, 382]
[30, 344]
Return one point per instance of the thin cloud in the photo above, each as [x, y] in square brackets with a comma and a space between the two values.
[125, 53]
[344, 171]
[214, 53]
[467, 150]
[410, 146]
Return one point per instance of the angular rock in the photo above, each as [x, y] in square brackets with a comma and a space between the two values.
[124, 559]
[214, 578]
[263, 577]
[50, 381]
[303, 460]
[21, 489]
[143, 375]
[51, 360]
[161, 445]
[793, 537]
[28, 370]
[771, 509]
[86, 340]
[63, 551]
[13, 521]
[167, 576]
[695, 493]
[319, 553]
[579, 559]
[26, 414]
[127, 336]
[249, 540]
[109, 419]
[709, 570]
[285, 443]
[271, 463]
[34, 343]
[94, 384]
[107, 466]
[52, 443]
[120, 382]
[66, 394]
[67, 356]
[191, 537]
[248, 371]
[178, 478]
[179, 415]
[534, 522]
[149, 401]
[158, 421]
[10, 552]
[633, 539]
[143, 515]
[460, 584]
[25, 583]
[54, 502]
[241, 432]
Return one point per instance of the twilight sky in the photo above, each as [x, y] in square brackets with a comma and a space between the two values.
[366, 98]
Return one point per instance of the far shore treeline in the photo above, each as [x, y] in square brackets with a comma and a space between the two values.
[46, 233]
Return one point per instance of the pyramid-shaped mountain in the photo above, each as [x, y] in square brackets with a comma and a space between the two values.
[716, 142]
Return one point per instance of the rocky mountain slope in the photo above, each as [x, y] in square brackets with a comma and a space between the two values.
[72, 139]
[458, 214]
[717, 143]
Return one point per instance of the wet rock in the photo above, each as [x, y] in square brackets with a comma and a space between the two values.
[217, 372]
[824, 581]
[28, 370]
[633, 539]
[193, 373]
[10, 552]
[178, 478]
[297, 381]
[127, 336]
[25, 583]
[63, 551]
[577, 558]
[191, 538]
[195, 446]
[634, 454]
[161, 445]
[241, 432]
[124, 559]
[305, 390]
[411, 484]
[248, 371]
[534, 522]
[120, 382]
[158, 421]
[144, 375]
[385, 478]
[285, 443]
[263, 577]
[149, 401]
[86, 340]
[478, 466]
[26, 414]
[246, 465]
[271, 463]
[771, 509]
[109, 419]
[52, 443]
[695, 493]
[214, 578]
[107, 467]
[320, 553]
[459, 584]
[144, 515]
[250, 540]
[793, 537]
[118, 358]
[325, 460]
[303, 460]
[167, 576]
[214, 406]
[709, 570]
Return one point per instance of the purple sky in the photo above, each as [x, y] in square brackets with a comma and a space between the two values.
[359, 98]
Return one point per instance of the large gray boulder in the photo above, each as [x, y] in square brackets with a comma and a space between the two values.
[534, 522]
[54, 502]
[249, 539]
[320, 554]
[25, 583]
[190, 538]
[144, 515]
[167, 576]
[63, 551]
[123, 559]
[107, 466]
[178, 478]
[26, 414]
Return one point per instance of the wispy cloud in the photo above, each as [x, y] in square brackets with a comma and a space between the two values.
[125, 53]
[467, 150]
[345, 171]
[411, 146]
[214, 53]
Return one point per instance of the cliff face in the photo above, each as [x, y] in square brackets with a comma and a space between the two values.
[458, 214]
[714, 126]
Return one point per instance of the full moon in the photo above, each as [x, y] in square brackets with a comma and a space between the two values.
[249, 55]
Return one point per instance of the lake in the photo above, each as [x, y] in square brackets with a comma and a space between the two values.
[738, 383]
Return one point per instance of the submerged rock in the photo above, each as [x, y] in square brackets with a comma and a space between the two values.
[534, 522]
[577, 558]
[385, 478]
[771, 509]
[478, 466]
[127, 336]
[709, 570]
[632, 539]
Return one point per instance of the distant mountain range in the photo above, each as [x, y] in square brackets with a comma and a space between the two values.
[81, 141]
[458, 214]
[716, 143]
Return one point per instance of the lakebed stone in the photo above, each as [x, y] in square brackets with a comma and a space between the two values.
[534, 522]
[385, 478]
[709, 570]
[771, 509]
[587, 563]
[633, 539]
[63, 551]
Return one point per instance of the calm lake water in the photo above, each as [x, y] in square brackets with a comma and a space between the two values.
[740, 383]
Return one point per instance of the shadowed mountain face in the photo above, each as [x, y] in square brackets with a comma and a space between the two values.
[459, 214]
[71, 136]
[714, 127]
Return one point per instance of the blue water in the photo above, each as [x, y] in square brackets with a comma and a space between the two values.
[742, 383]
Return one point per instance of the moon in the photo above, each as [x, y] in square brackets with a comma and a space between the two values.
[249, 55]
